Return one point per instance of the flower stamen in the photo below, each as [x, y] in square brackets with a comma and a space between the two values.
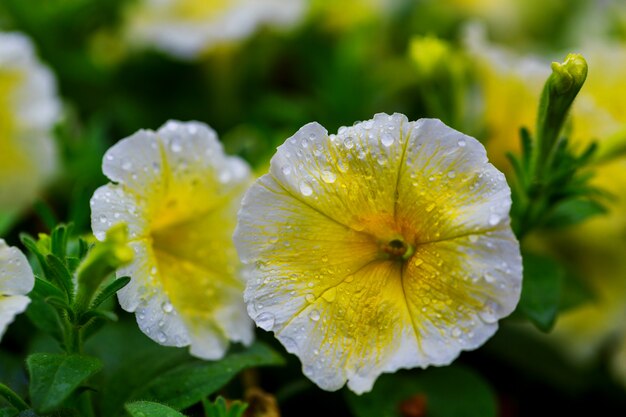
[397, 249]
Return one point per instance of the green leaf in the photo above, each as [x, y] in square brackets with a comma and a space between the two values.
[58, 240]
[190, 383]
[61, 275]
[110, 290]
[53, 378]
[150, 409]
[442, 392]
[541, 290]
[571, 212]
[221, 409]
[8, 412]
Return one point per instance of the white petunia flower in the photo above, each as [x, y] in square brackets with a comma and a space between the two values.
[186, 28]
[16, 280]
[385, 246]
[178, 193]
[29, 107]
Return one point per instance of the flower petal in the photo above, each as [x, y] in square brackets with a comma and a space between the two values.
[16, 275]
[10, 307]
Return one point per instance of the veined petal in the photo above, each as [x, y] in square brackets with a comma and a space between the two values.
[179, 195]
[361, 264]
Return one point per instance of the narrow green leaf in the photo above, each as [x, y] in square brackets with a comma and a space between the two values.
[150, 409]
[541, 290]
[441, 392]
[58, 241]
[189, 383]
[12, 398]
[45, 289]
[53, 378]
[61, 275]
[32, 247]
[110, 290]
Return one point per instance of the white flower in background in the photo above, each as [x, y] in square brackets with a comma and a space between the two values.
[385, 246]
[187, 28]
[29, 108]
[16, 280]
[179, 194]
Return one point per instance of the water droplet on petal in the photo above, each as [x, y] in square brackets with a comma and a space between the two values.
[456, 332]
[102, 218]
[305, 189]
[314, 315]
[175, 146]
[286, 169]
[161, 337]
[488, 313]
[430, 207]
[265, 321]
[328, 177]
[289, 344]
[349, 142]
[461, 143]
[330, 295]
[310, 298]
[167, 307]
[387, 139]
[494, 219]
[127, 166]
[451, 174]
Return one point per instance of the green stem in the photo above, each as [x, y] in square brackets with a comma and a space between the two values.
[12, 398]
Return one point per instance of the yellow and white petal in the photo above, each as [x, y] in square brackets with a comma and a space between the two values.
[320, 235]
[448, 184]
[29, 107]
[11, 306]
[16, 275]
[179, 194]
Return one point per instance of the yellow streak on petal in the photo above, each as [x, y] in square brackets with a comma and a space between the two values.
[199, 9]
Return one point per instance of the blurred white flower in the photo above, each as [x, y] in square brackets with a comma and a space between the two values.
[179, 194]
[29, 107]
[186, 28]
[16, 280]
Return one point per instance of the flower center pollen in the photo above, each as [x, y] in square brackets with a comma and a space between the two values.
[397, 249]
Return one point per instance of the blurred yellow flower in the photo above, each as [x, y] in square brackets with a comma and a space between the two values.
[29, 108]
[385, 246]
[178, 193]
[16, 280]
[187, 28]
[512, 85]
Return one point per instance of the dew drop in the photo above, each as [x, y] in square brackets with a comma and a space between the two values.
[489, 278]
[102, 218]
[310, 298]
[305, 189]
[328, 177]
[127, 166]
[349, 278]
[430, 208]
[461, 143]
[330, 295]
[314, 315]
[451, 174]
[289, 344]
[154, 270]
[349, 142]
[167, 307]
[175, 146]
[265, 321]
[418, 262]
[161, 337]
[286, 169]
[110, 157]
[488, 313]
[387, 139]
[456, 332]
[494, 219]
